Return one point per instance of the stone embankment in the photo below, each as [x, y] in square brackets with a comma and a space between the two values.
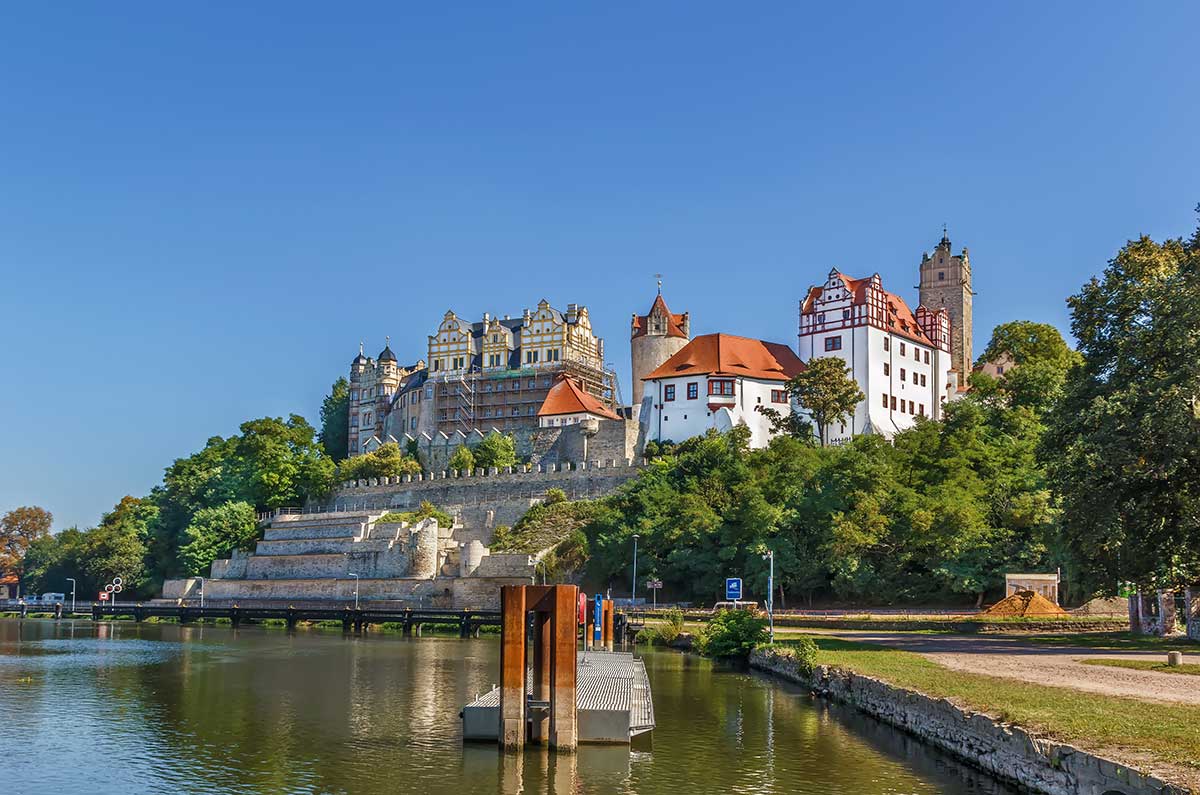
[1006, 751]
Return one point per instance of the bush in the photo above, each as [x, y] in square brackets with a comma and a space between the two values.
[427, 510]
[463, 459]
[802, 651]
[663, 632]
[732, 633]
[386, 462]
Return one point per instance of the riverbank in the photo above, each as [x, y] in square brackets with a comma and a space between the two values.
[1054, 740]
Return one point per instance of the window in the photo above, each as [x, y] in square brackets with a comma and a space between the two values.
[720, 387]
[459, 362]
[778, 396]
[665, 418]
[516, 385]
[693, 391]
[893, 402]
[926, 357]
[530, 411]
[354, 394]
[921, 409]
[887, 346]
[354, 421]
[922, 379]
[845, 314]
[911, 408]
[1000, 369]
[885, 404]
[669, 392]
[532, 383]
[916, 355]
[531, 357]
[887, 369]
[437, 365]
[941, 276]
[901, 406]
[901, 373]
[516, 411]
[833, 343]
[552, 354]
[902, 349]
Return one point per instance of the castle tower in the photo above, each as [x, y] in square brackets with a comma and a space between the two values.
[655, 337]
[946, 284]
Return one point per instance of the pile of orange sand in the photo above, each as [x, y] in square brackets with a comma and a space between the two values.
[1025, 603]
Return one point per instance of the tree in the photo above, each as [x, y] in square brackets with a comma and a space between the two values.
[1041, 360]
[496, 450]
[385, 462]
[19, 528]
[276, 463]
[51, 559]
[215, 532]
[118, 546]
[335, 419]
[1123, 444]
[463, 459]
[827, 392]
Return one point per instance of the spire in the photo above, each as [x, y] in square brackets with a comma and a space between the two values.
[658, 276]
[360, 347]
[945, 238]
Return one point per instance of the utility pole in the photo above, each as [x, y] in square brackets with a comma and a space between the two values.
[72, 581]
[633, 596]
[770, 556]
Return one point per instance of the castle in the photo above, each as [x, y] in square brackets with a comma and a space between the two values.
[545, 370]
[495, 373]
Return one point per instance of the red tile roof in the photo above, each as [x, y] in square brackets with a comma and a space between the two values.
[904, 321]
[725, 354]
[674, 322]
[567, 397]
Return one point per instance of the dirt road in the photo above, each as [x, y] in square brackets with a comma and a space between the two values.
[1017, 658]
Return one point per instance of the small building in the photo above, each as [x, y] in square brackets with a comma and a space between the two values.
[717, 381]
[1044, 584]
[568, 404]
[8, 586]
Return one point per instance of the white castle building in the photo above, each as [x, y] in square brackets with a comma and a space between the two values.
[718, 381]
[900, 358]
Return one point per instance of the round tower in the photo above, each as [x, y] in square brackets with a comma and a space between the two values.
[655, 337]
[359, 365]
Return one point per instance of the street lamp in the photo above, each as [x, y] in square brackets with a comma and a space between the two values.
[771, 592]
[72, 581]
[633, 597]
[355, 576]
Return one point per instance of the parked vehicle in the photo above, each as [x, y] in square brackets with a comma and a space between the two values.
[53, 598]
[739, 605]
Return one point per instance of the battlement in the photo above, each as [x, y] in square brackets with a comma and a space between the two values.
[526, 473]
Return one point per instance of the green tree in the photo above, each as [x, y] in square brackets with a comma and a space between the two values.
[496, 450]
[51, 559]
[1041, 359]
[463, 459]
[215, 532]
[335, 420]
[384, 462]
[1123, 444]
[827, 392]
[19, 528]
[118, 546]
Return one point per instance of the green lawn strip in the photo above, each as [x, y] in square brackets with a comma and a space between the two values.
[1191, 669]
[1166, 732]
[1121, 641]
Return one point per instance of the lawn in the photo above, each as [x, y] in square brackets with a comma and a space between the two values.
[1137, 731]
[1119, 641]
[1191, 669]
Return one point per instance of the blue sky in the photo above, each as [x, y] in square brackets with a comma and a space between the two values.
[204, 207]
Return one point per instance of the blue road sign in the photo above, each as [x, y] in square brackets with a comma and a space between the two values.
[733, 588]
[598, 623]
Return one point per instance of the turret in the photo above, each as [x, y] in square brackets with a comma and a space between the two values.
[653, 338]
[946, 284]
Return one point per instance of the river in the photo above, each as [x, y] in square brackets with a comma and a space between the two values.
[91, 709]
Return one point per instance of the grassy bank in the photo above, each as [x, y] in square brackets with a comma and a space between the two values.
[1163, 736]
[1191, 669]
[1119, 641]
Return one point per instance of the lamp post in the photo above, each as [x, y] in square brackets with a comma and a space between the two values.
[633, 597]
[770, 556]
[72, 581]
[201, 593]
[355, 576]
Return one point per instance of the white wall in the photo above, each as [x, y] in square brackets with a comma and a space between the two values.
[683, 418]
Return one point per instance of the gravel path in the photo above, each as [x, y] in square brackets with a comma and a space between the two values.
[1016, 658]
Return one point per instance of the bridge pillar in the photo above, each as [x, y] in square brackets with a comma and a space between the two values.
[235, 616]
[564, 727]
[95, 611]
[464, 625]
[347, 621]
[58, 611]
[24, 610]
[408, 625]
[291, 618]
[138, 613]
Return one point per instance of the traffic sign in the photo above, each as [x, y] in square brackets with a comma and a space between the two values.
[103, 596]
[654, 585]
[733, 588]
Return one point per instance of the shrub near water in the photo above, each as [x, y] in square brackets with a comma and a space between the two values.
[802, 651]
[732, 633]
[665, 631]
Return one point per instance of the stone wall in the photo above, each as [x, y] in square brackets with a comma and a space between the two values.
[1006, 751]
[1191, 601]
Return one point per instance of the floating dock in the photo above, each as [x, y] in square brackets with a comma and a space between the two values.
[612, 698]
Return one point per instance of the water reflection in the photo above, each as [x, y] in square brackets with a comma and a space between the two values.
[135, 708]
